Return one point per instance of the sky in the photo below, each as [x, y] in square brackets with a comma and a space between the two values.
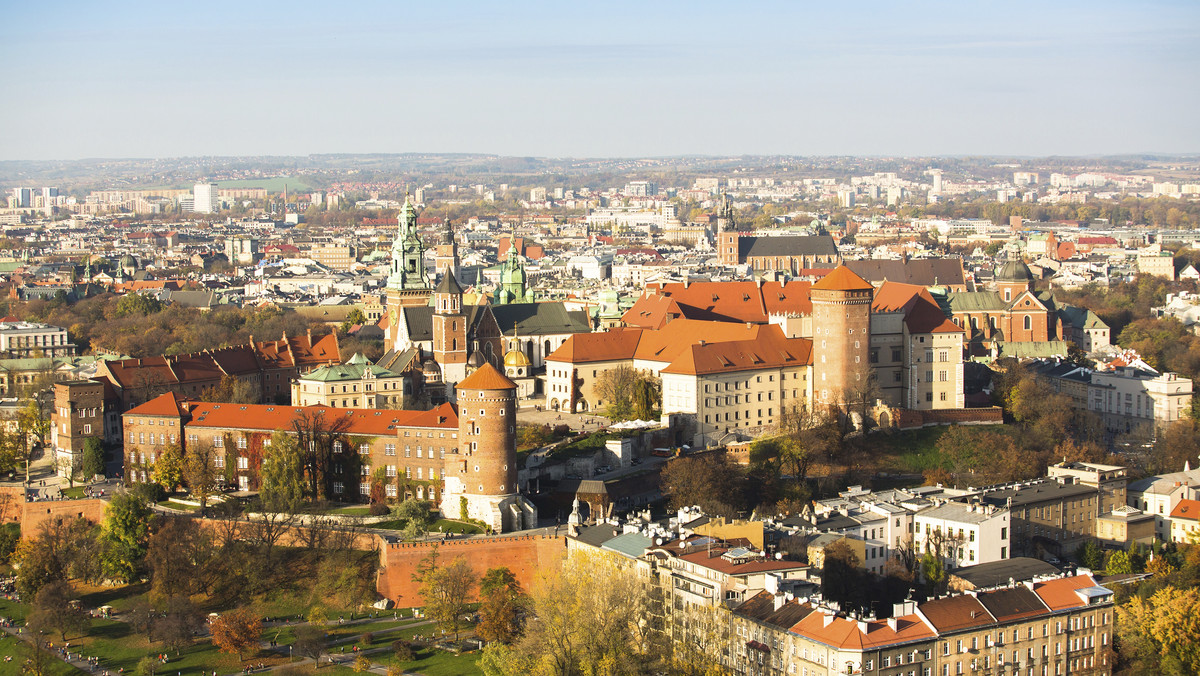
[612, 79]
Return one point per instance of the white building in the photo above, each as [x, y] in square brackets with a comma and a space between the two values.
[28, 339]
[1136, 401]
[963, 534]
[205, 199]
[1158, 495]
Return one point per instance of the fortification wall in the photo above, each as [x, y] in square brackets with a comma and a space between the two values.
[33, 514]
[524, 555]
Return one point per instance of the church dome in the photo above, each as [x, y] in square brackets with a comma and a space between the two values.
[128, 261]
[475, 360]
[516, 359]
[430, 368]
[1014, 271]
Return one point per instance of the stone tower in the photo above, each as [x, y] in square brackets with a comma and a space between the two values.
[449, 330]
[407, 283]
[727, 234]
[841, 319]
[445, 259]
[481, 478]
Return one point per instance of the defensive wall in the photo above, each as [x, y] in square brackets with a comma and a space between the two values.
[34, 514]
[524, 555]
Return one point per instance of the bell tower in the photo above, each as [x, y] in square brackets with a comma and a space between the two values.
[407, 283]
[449, 330]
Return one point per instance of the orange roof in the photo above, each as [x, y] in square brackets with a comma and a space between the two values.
[1060, 594]
[770, 350]
[163, 404]
[842, 279]
[670, 341]
[362, 420]
[611, 345]
[736, 301]
[486, 377]
[1187, 509]
[846, 634]
[955, 613]
[922, 314]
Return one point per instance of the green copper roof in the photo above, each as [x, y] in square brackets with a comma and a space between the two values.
[976, 301]
[354, 371]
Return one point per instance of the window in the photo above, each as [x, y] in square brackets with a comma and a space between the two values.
[243, 462]
[1028, 323]
[389, 449]
[364, 449]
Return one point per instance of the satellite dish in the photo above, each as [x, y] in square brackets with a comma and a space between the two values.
[658, 541]
[778, 556]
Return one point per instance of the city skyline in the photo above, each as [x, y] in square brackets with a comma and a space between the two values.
[588, 81]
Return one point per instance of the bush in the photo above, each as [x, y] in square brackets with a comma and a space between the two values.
[149, 492]
[366, 639]
[362, 664]
[378, 509]
[403, 650]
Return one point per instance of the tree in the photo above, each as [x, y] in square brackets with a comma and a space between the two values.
[232, 390]
[237, 632]
[124, 535]
[1118, 564]
[416, 516]
[282, 474]
[32, 427]
[934, 570]
[712, 482]
[93, 457]
[310, 642]
[200, 471]
[168, 469]
[56, 607]
[501, 599]
[1162, 632]
[841, 579]
[621, 387]
[315, 435]
[179, 556]
[179, 623]
[63, 548]
[445, 590]
[1089, 555]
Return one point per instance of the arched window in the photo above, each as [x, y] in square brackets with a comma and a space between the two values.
[1028, 323]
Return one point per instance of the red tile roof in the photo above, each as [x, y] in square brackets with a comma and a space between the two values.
[486, 377]
[611, 345]
[771, 350]
[362, 420]
[842, 279]
[163, 404]
[955, 613]
[1060, 594]
[1187, 509]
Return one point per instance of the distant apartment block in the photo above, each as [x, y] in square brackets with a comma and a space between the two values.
[205, 199]
[31, 339]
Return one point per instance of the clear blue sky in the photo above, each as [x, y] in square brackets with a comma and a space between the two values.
[159, 79]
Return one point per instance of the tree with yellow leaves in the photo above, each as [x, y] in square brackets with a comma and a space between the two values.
[1162, 634]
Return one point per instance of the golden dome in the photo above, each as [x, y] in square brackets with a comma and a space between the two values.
[516, 359]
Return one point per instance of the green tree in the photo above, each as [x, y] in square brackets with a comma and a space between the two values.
[137, 304]
[934, 570]
[416, 516]
[93, 457]
[1089, 555]
[124, 535]
[1118, 564]
[32, 427]
[283, 474]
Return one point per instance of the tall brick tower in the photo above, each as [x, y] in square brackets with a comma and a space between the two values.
[841, 322]
[481, 478]
[449, 330]
[727, 234]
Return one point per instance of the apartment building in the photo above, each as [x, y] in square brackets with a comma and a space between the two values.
[1052, 515]
[1054, 625]
[1139, 402]
[33, 339]
[1158, 496]
[356, 384]
[963, 534]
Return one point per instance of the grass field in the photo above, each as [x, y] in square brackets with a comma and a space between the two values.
[433, 662]
[10, 647]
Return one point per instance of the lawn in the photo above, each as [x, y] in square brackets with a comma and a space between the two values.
[10, 646]
[439, 526]
[434, 662]
[585, 446]
[75, 493]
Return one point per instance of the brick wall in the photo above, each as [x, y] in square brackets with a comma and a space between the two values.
[524, 555]
[35, 513]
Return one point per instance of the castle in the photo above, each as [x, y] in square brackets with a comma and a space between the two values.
[462, 458]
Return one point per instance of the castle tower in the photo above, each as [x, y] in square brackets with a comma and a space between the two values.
[449, 330]
[841, 320]
[445, 259]
[514, 287]
[481, 478]
[407, 283]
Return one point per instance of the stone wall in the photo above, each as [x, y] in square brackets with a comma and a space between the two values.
[33, 514]
[524, 555]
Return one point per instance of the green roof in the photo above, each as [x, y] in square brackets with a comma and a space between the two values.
[1032, 350]
[976, 301]
[352, 371]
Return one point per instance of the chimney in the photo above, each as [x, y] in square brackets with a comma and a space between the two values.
[892, 624]
[779, 599]
[826, 618]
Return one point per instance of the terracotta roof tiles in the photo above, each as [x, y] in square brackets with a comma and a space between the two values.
[486, 377]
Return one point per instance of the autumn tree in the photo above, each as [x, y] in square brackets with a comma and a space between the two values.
[124, 535]
[178, 623]
[627, 392]
[501, 599]
[56, 607]
[446, 590]
[712, 481]
[168, 469]
[310, 642]
[180, 556]
[200, 471]
[1162, 632]
[842, 581]
[63, 548]
[237, 632]
[232, 390]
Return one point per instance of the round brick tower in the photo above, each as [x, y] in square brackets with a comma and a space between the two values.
[482, 475]
[841, 320]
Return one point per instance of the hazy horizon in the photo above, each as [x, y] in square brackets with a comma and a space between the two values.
[618, 80]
